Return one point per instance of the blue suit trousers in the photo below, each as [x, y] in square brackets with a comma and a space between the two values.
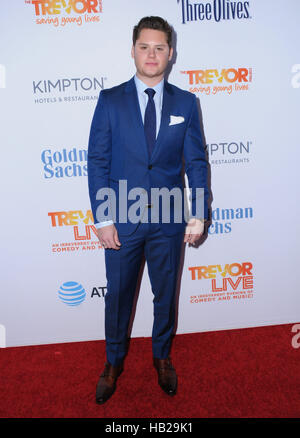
[162, 254]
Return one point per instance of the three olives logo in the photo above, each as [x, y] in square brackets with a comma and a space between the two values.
[71, 293]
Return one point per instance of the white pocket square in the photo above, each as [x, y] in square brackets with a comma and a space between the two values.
[174, 120]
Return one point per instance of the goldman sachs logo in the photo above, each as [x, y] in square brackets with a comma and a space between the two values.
[216, 10]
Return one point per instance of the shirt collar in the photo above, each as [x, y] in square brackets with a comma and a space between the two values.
[141, 86]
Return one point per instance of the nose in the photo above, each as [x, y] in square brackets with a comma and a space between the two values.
[151, 52]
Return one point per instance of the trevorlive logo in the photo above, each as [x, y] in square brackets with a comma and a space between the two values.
[84, 235]
[241, 273]
[56, 7]
[73, 218]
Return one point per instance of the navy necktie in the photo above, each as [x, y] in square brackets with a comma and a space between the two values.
[150, 121]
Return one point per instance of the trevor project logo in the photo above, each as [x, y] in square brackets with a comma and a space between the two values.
[215, 80]
[64, 12]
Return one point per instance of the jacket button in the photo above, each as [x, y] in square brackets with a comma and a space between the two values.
[150, 166]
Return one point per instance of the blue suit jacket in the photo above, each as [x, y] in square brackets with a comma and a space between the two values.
[118, 151]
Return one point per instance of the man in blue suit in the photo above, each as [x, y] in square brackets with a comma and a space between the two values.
[141, 132]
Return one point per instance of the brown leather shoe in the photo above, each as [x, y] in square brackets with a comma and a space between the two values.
[167, 378]
[107, 383]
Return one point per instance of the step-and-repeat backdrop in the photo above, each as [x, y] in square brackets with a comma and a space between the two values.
[241, 59]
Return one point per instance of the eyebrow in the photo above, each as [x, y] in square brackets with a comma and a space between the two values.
[156, 45]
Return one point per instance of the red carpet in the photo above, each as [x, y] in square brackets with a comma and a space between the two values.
[242, 373]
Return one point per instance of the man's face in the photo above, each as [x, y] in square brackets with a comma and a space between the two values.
[151, 54]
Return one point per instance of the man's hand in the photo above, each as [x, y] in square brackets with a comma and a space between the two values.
[193, 231]
[108, 237]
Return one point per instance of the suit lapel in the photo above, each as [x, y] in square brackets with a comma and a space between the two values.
[165, 118]
[136, 116]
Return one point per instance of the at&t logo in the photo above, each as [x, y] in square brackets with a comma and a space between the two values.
[71, 293]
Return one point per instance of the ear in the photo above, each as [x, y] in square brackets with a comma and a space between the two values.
[171, 53]
[132, 52]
